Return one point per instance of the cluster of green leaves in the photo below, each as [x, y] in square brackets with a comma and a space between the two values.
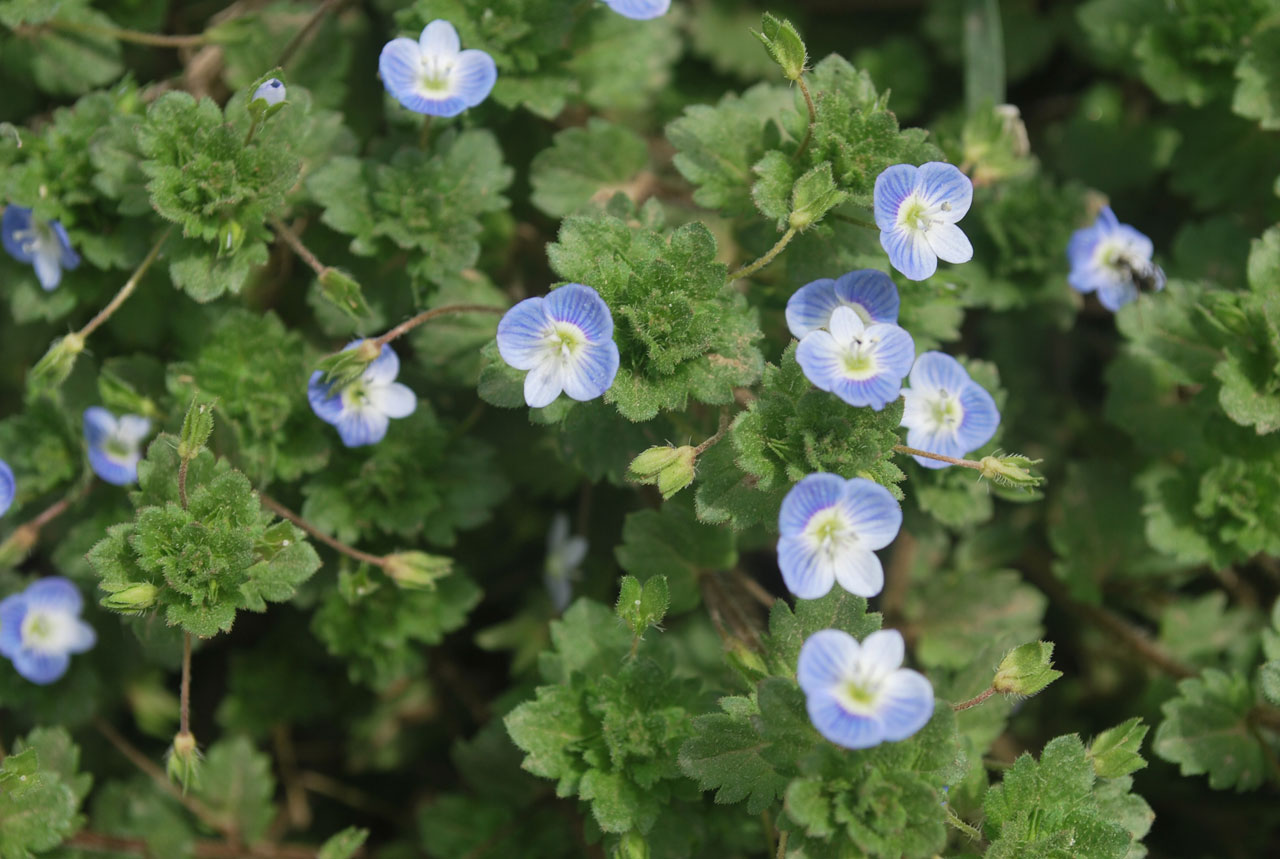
[41, 790]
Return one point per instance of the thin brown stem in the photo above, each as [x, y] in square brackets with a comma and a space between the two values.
[332, 542]
[291, 239]
[724, 427]
[967, 463]
[306, 30]
[182, 482]
[98, 842]
[184, 713]
[327, 786]
[137, 37]
[125, 291]
[752, 268]
[427, 315]
[813, 118]
[975, 700]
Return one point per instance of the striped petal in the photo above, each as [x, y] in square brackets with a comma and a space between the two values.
[909, 252]
[358, 428]
[949, 243]
[813, 494]
[591, 371]
[54, 593]
[827, 658]
[941, 183]
[806, 573]
[860, 573]
[905, 705]
[440, 38]
[809, 307]
[473, 76]
[938, 371]
[873, 512]
[583, 307]
[543, 384]
[640, 10]
[893, 186]
[981, 417]
[872, 290]
[522, 334]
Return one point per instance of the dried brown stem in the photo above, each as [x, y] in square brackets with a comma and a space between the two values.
[332, 542]
[427, 315]
[912, 451]
[125, 291]
[291, 239]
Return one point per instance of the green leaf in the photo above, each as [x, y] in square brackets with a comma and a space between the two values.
[1114, 752]
[585, 163]
[1205, 730]
[236, 783]
[671, 543]
[40, 794]
[815, 193]
[788, 629]
[642, 606]
[1257, 94]
[344, 845]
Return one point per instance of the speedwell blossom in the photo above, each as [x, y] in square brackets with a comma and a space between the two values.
[565, 341]
[362, 409]
[272, 92]
[41, 627]
[868, 291]
[946, 412]
[565, 554]
[42, 244]
[916, 210]
[1114, 259]
[641, 10]
[7, 487]
[830, 530]
[859, 695]
[115, 446]
[434, 75]
[861, 364]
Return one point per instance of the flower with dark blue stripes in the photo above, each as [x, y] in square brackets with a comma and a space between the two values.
[859, 695]
[565, 341]
[434, 75]
[946, 412]
[862, 364]
[362, 409]
[830, 530]
[1112, 259]
[115, 445]
[916, 209]
[868, 292]
[44, 245]
[41, 627]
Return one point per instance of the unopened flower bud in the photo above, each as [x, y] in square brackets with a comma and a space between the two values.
[134, 599]
[52, 370]
[652, 461]
[1011, 470]
[183, 765]
[417, 569]
[1026, 670]
[273, 92]
[632, 846]
[230, 238]
[670, 468]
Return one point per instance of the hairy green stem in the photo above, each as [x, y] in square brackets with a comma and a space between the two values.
[748, 270]
[975, 700]
[967, 463]
[956, 821]
[813, 118]
[724, 427]
[295, 244]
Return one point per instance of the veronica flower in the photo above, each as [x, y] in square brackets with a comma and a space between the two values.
[41, 244]
[41, 627]
[1114, 259]
[6, 487]
[869, 292]
[565, 341]
[115, 446]
[641, 10]
[830, 530]
[272, 92]
[434, 75]
[859, 695]
[946, 412]
[362, 409]
[916, 210]
[564, 555]
[861, 364]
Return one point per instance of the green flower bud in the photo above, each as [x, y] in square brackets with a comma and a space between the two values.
[133, 599]
[1011, 470]
[344, 292]
[813, 195]
[784, 45]
[230, 238]
[197, 426]
[1026, 670]
[183, 765]
[342, 368]
[52, 370]
[678, 474]
[417, 569]
[670, 468]
[652, 461]
[631, 846]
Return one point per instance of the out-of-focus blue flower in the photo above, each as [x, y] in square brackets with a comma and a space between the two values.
[115, 446]
[41, 627]
[830, 530]
[946, 412]
[641, 10]
[565, 554]
[7, 487]
[362, 409]
[859, 695]
[434, 75]
[565, 341]
[916, 210]
[869, 292]
[861, 364]
[43, 245]
[272, 92]
[1113, 259]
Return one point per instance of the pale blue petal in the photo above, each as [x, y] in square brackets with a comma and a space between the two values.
[522, 334]
[47, 261]
[69, 259]
[440, 38]
[840, 726]
[909, 253]
[117, 472]
[327, 406]
[803, 572]
[16, 219]
[944, 443]
[41, 668]
[949, 243]
[591, 371]
[394, 400]
[1107, 221]
[826, 659]
[358, 428]
[1113, 296]
[860, 573]
[939, 183]
[473, 76]
[938, 371]
[543, 384]
[582, 306]
[893, 186]
[13, 610]
[876, 392]
[981, 418]
[133, 429]
[400, 66]
[1137, 243]
[873, 512]
[816, 492]
[54, 593]
[905, 704]
[431, 105]
[819, 357]
[885, 649]
[872, 290]
[383, 369]
[809, 307]
[896, 351]
[98, 425]
[640, 10]
[1080, 251]
[83, 637]
[7, 487]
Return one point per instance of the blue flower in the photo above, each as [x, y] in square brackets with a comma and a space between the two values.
[42, 244]
[433, 75]
[641, 10]
[946, 412]
[115, 446]
[564, 555]
[916, 210]
[830, 530]
[869, 292]
[272, 92]
[7, 487]
[858, 695]
[1114, 259]
[361, 410]
[565, 341]
[41, 627]
[861, 364]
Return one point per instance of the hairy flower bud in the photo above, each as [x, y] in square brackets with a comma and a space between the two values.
[1011, 470]
[669, 468]
[133, 599]
[183, 764]
[417, 569]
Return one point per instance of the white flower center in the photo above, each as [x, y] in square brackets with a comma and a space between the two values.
[563, 340]
[38, 239]
[830, 534]
[918, 214]
[356, 395]
[437, 73]
[47, 632]
[859, 692]
[945, 412]
[859, 360]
